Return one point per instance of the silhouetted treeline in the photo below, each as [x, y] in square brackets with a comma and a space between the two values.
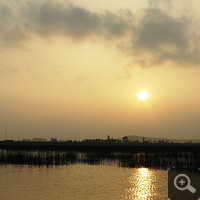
[101, 147]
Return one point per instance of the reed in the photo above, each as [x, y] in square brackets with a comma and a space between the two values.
[156, 160]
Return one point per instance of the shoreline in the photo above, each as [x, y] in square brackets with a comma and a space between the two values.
[101, 147]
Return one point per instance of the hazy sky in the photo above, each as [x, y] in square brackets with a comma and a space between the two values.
[73, 69]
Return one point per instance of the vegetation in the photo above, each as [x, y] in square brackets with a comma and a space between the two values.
[151, 155]
[164, 160]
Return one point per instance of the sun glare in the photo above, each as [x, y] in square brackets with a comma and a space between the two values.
[142, 95]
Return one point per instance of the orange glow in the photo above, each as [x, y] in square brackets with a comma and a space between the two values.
[141, 185]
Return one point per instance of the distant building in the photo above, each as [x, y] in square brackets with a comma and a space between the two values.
[54, 139]
[125, 139]
[39, 140]
[145, 142]
[108, 137]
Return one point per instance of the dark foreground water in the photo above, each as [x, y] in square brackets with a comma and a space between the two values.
[81, 181]
[52, 175]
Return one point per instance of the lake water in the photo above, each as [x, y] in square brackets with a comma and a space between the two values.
[81, 181]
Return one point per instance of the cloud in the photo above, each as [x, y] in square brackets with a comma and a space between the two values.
[10, 32]
[51, 18]
[160, 37]
[152, 39]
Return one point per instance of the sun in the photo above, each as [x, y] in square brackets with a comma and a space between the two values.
[143, 95]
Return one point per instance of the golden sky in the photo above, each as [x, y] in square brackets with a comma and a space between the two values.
[73, 70]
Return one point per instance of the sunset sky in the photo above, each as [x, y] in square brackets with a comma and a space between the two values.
[74, 69]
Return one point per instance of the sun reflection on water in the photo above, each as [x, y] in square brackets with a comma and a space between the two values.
[142, 185]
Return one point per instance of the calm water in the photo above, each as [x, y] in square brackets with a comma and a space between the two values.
[81, 181]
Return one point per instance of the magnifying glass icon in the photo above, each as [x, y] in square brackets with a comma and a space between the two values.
[182, 182]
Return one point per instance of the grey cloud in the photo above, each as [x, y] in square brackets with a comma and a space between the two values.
[11, 30]
[50, 18]
[157, 30]
[151, 40]
[164, 38]
[116, 26]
